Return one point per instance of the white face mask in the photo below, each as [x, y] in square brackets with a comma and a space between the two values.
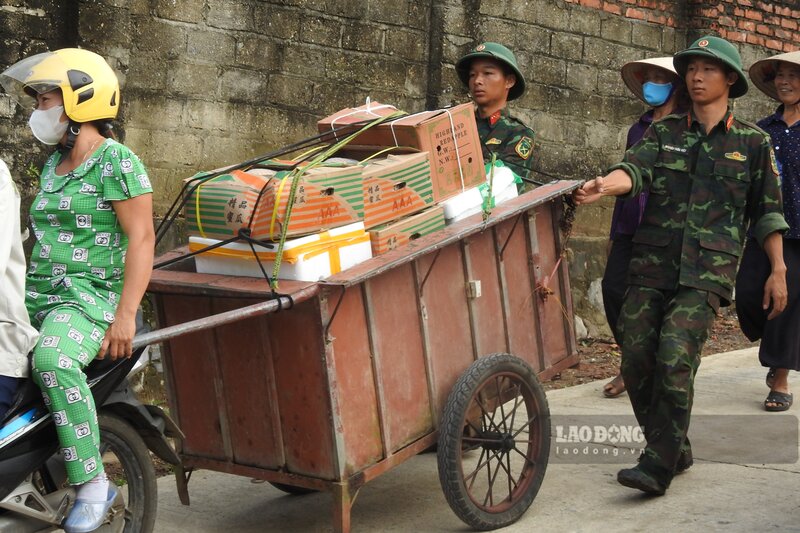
[46, 125]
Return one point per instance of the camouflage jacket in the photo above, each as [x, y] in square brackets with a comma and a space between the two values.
[509, 138]
[704, 192]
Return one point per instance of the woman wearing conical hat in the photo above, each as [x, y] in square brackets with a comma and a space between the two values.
[779, 78]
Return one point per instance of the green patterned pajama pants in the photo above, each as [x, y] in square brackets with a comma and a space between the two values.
[68, 342]
[662, 336]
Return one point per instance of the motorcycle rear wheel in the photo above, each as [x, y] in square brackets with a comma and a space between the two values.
[129, 466]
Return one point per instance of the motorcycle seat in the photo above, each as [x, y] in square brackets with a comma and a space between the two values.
[29, 395]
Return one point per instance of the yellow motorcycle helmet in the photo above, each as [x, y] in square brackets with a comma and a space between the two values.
[89, 85]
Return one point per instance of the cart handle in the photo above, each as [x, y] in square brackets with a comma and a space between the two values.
[213, 321]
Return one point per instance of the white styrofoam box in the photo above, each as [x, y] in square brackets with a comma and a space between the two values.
[470, 201]
[308, 258]
[499, 197]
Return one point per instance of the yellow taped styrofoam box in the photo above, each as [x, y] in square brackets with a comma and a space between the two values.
[308, 258]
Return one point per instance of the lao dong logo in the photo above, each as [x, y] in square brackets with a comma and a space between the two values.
[614, 434]
[585, 440]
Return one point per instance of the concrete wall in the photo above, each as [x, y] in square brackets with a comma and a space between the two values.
[212, 82]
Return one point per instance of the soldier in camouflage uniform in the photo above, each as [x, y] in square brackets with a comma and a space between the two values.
[491, 73]
[709, 175]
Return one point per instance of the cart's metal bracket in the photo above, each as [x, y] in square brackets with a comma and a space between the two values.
[428, 272]
[335, 311]
[182, 477]
[502, 249]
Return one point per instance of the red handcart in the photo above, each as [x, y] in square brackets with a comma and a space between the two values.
[338, 381]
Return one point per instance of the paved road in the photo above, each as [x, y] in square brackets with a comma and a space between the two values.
[722, 492]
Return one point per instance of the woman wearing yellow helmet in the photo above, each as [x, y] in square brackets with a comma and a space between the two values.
[93, 255]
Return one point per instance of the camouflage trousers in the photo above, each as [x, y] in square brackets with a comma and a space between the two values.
[662, 335]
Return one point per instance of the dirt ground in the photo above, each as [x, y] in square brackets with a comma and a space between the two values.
[600, 357]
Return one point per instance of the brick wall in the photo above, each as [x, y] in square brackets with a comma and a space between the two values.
[213, 82]
[672, 14]
[772, 25]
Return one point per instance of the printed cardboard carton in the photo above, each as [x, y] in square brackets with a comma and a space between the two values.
[401, 232]
[449, 135]
[327, 197]
[396, 186]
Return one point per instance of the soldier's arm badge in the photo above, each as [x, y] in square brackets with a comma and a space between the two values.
[774, 162]
[524, 147]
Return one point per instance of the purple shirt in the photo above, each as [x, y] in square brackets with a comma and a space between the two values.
[786, 142]
[628, 213]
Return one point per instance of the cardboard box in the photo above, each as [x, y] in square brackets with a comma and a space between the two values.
[449, 135]
[308, 258]
[396, 186]
[351, 115]
[401, 232]
[327, 197]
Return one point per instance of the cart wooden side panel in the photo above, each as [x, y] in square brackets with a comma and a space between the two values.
[303, 394]
[194, 378]
[522, 323]
[552, 310]
[354, 395]
[396, 342]
[441, 286]
[258, 442]
[486, 311]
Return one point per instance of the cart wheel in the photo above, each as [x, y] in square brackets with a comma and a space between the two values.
[292, 489]
[494, 442]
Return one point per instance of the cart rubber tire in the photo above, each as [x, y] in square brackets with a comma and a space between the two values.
[119, 437]
[292, 489]
[460, 439]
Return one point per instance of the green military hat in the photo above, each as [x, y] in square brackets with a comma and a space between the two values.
[493, 51]
[717, 48]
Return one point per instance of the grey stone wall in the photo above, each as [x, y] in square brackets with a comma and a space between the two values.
[27, 28]
[212, 82]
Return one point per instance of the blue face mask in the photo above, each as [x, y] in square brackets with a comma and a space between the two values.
[656, 94]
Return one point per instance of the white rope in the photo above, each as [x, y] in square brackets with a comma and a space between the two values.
[455, 142]
[369, 110]
[391, 124]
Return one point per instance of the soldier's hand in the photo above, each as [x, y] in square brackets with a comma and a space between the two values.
[591, 191]
[775, 291]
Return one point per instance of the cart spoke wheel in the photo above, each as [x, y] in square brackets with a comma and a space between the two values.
[494, 442]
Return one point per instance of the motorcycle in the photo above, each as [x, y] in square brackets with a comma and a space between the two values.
[34, 493]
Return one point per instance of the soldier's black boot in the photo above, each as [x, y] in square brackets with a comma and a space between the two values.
[636, 478]
[685, 462]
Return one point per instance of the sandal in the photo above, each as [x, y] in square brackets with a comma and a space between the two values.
[771, 377]
[614, 388]
[782, 401]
